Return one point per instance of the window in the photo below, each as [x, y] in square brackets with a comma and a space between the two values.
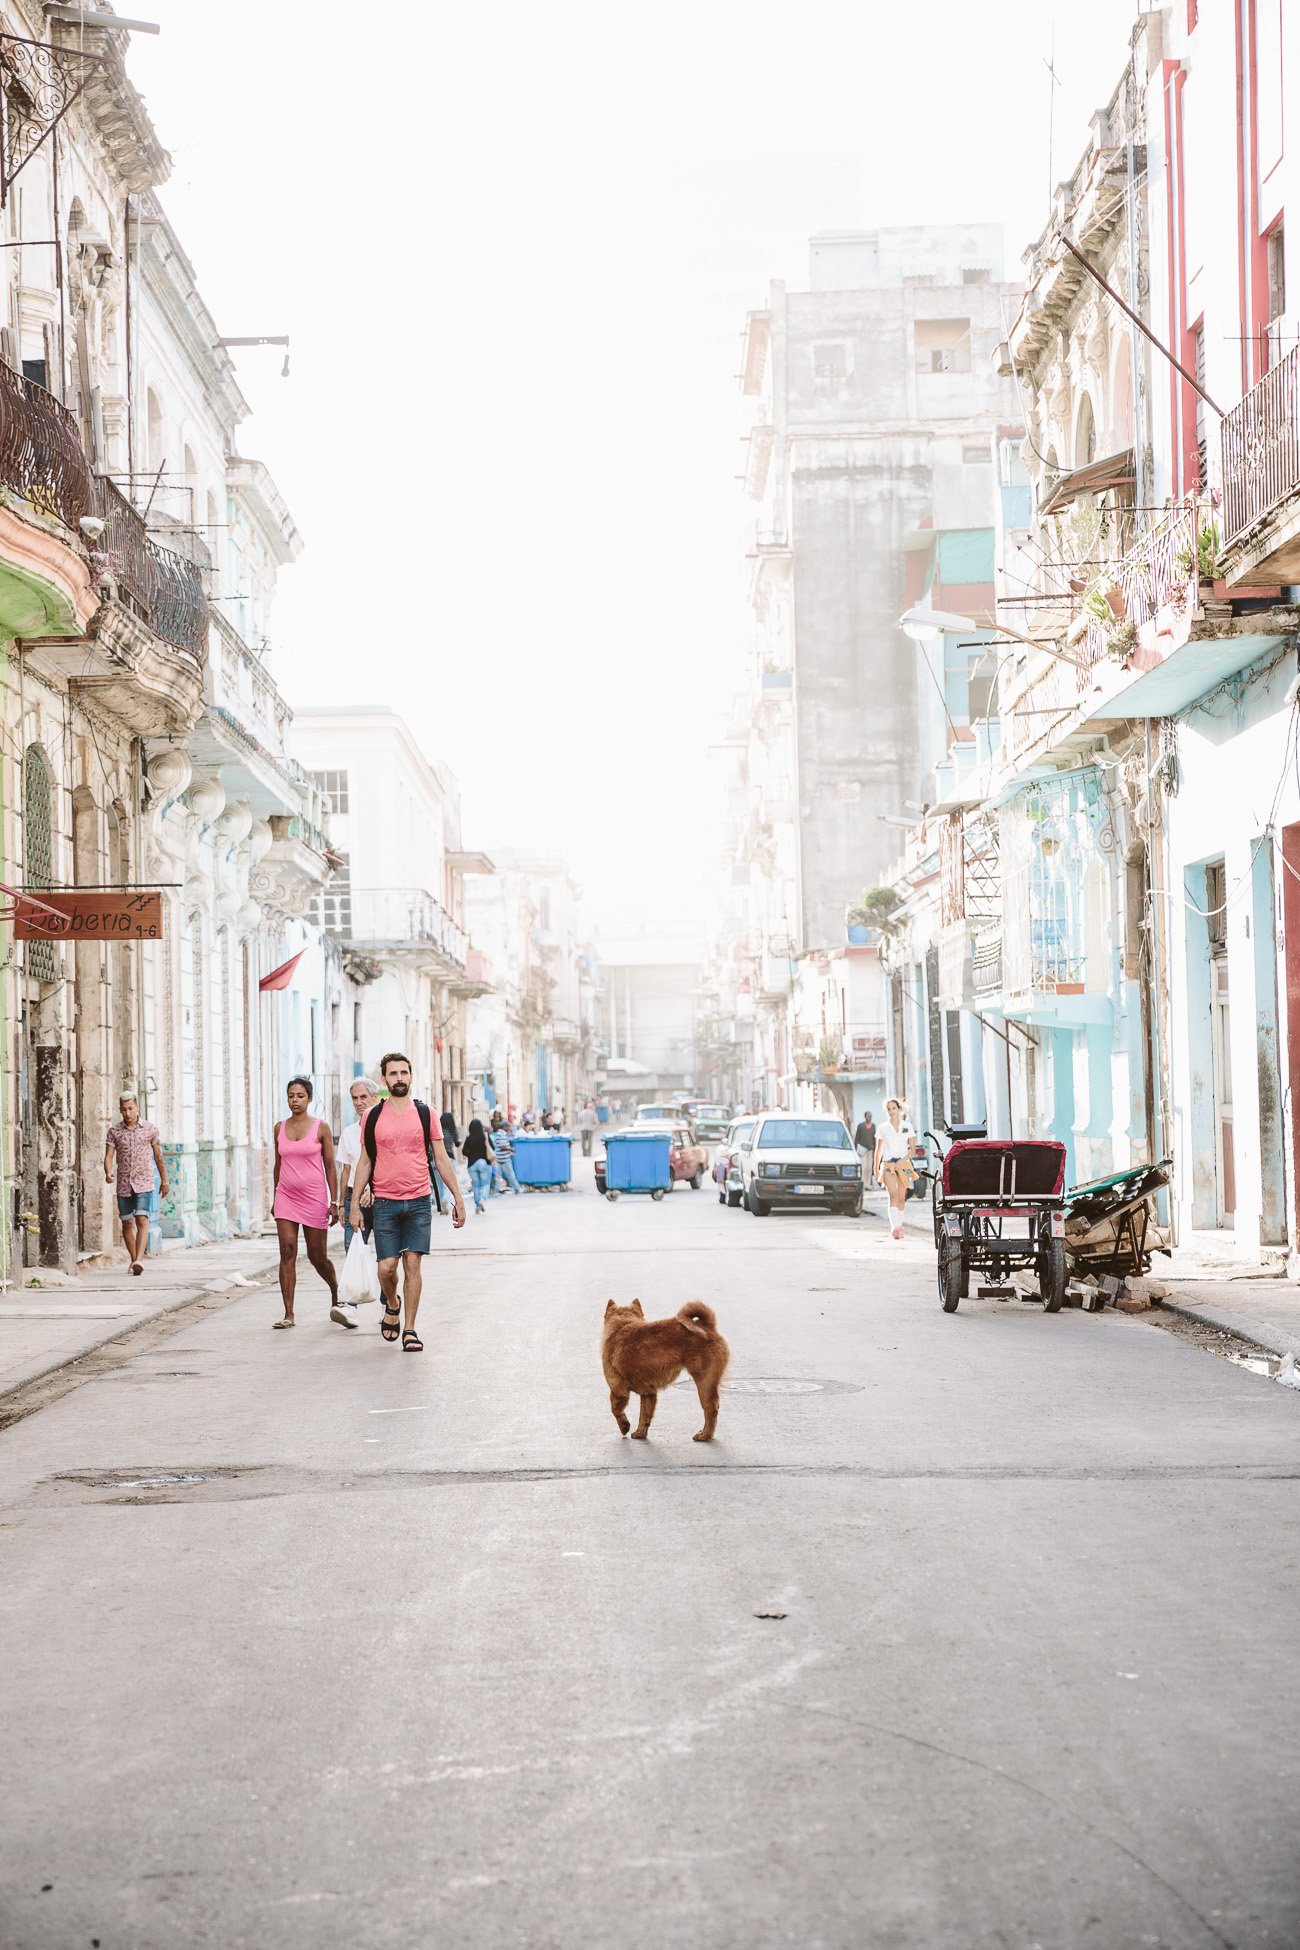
[830, 363]
[334, 903]
[1216, 906]
[942, 344]
[802, 1134]
[155, 448]
[38, 840]
[1276, 244]
[335, 787]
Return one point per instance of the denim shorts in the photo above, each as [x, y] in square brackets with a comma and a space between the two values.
[134, 1205]
[400, 1225]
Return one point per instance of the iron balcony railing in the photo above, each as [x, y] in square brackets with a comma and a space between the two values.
[1161, 571]
[43, 461]
[159, 586]
[41, 456]
[1261, 448]
[407, 917]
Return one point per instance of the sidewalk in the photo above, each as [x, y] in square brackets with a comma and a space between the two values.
[45, 1327]
[1258, 1306]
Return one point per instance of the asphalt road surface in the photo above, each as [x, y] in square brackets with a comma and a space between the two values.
[968, 1630]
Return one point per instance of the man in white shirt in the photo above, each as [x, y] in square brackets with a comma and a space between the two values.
[347, 1152]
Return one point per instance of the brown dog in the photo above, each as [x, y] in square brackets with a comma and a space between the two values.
[642, 1356]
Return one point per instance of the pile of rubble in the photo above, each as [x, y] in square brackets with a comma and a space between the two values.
[1091, 1291]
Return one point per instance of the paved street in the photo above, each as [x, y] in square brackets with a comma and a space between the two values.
[312, 1643]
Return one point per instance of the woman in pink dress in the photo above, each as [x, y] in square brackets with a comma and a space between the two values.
[304, 1173]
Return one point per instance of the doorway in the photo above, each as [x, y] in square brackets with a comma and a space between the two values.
[1216, 926]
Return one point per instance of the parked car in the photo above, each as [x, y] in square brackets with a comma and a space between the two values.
[686, 1158]
[726, 1166]
[657, 1114]
[789, 1161]
[709, 1122]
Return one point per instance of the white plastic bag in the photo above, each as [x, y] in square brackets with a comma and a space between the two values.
[360, 1281]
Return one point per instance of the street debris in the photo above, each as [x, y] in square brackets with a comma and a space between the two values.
[1237, 1348]
[771, 1614]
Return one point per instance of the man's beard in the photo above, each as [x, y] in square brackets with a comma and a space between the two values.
[399, 1089]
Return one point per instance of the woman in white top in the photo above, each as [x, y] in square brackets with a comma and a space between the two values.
[894, 1168]
[347, 1153]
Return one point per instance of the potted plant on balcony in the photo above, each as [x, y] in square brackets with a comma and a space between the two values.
[878, 908]
[829, 1055]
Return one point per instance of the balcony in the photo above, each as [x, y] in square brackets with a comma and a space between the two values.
[477, 976]
[1260, 458]
[408, 921]
[42, 461]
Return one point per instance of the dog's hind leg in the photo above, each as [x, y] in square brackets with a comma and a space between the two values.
[707, 1389]
[649, 1403]
[618, 1403]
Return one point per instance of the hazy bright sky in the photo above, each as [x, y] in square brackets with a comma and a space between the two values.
[514, 247]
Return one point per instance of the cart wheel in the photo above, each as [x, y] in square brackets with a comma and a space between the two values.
[950, 1274]
[1051, 1275]
[611, 1196]
[658, 1194]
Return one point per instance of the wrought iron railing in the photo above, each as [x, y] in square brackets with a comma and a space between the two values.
[162, 589]
[1161, 571]
[407, 917]
[41, 456]
[43, 461]
[1261, 448]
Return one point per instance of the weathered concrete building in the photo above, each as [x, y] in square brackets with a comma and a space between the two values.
[878, 400]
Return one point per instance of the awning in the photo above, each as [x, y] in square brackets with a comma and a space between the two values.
[1117, 470]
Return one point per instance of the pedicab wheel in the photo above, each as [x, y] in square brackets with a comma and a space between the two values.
[950, 1274]
[657, 1194]
[1051, 1275]
[611, 1196]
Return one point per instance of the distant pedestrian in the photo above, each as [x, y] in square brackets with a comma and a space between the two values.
[401, 1150]
[587, 1126]
[894, 1168]
[864, 1141]
[132, 1152]
[503, 1143]
[480, 1158]
[304, 1178]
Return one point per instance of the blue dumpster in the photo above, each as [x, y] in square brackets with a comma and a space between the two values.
[602, 1113]
[637, 1161]
[543, 1160]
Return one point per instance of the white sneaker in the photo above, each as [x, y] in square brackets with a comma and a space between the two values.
[345, 1313]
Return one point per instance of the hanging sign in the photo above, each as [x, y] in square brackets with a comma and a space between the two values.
[88, 914]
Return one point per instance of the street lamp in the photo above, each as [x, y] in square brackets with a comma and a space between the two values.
[924, 624]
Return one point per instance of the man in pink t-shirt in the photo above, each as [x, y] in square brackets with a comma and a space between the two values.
[401, 1147]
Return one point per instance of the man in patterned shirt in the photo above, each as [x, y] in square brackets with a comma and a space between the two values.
[138, 1150]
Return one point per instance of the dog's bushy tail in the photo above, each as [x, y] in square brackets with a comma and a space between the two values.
[696, 1314]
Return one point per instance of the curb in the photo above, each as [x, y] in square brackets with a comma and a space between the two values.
[35, 1377]
[1276, 1339]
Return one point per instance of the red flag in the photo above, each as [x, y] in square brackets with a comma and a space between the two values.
[279, 978]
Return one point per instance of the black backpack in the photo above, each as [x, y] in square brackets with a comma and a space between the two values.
[368, 1137]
